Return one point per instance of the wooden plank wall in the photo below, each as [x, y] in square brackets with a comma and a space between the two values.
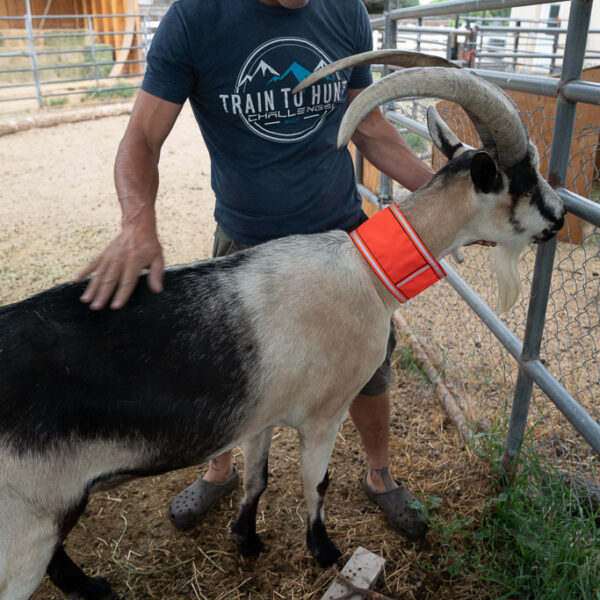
[17, 8]
[106, 25]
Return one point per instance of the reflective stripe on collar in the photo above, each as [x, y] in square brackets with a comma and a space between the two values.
[397, 255]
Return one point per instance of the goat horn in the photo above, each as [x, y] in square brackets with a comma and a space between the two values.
[399, 58]
[485, 103]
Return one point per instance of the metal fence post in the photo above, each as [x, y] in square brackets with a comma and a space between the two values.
[145, 35]
[389, 41]
[93, 49]
[358, 166]
[471, 44]
[516, 46]
[33, 54]
[554, 49]
[579, 21]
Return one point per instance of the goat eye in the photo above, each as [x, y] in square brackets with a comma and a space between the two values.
[528, 194]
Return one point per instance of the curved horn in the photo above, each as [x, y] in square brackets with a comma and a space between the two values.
[484, 102]
[399, 58]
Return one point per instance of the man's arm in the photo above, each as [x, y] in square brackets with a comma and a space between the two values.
[383, 146]
[136, 179]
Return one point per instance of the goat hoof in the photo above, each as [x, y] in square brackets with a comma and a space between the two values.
[327, 556]
[321, 546]
[250, 546]
[96, 588]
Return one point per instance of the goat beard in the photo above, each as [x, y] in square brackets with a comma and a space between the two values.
[505, 264]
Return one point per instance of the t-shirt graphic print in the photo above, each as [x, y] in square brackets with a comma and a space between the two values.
[263, 98]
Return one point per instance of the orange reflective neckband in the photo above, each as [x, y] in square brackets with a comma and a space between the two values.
[397, 255]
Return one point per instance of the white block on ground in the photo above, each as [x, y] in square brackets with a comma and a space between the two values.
[362, 570]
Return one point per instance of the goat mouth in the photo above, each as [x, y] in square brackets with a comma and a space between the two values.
[544, 237]
[482, 243]
[549, 233]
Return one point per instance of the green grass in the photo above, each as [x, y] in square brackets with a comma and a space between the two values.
[58, 101]
[538, 538]
[407, 361]
[103, 54]
[120, 90]
[416, 142]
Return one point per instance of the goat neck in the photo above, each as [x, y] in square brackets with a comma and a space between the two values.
[439, 226]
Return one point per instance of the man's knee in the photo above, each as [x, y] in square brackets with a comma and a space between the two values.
[382, 378]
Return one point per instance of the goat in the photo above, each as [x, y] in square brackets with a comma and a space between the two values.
[231, 348]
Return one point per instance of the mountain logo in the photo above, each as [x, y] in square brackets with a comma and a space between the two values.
[262, 92]
[261, 70]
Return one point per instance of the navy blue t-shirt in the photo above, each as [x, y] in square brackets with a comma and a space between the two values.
[274, 163]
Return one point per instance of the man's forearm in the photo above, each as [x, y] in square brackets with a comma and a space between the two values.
[383, 146]
[392, 155]
[136, 182]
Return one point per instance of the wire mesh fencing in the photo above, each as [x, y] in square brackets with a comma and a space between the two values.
[474, 364]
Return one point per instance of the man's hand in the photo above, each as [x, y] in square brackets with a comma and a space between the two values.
[137, 247]
[118, 268]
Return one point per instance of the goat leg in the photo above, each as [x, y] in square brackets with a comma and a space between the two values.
[316, 445]
[71, 580]
[256, 455]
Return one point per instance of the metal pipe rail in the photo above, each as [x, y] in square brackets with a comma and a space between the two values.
[436, 30]
[581, 207]
[67, 16]
[457, 7]
[538, 373]
[573, 91]
[509, 18]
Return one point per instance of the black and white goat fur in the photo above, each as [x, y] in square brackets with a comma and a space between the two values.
[231, 348]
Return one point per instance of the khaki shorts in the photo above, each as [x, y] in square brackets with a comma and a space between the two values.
[380, 382]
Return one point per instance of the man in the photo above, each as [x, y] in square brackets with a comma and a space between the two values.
[275, 171]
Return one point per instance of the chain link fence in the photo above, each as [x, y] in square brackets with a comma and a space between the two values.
[481, 370]
[477, 367]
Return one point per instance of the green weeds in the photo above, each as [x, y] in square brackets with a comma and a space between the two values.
[416, 142]
[58, 101]
[406, 360]
[538, 538]
[120, 90]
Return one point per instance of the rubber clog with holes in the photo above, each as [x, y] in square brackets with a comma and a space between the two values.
[191, 505]
[396, 506]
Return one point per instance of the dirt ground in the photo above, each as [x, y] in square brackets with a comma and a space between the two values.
[57, 210]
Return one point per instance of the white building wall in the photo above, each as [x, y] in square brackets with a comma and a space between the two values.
[543, 43]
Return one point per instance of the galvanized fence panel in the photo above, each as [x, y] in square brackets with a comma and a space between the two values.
[49, 67]
[492, 363]
[508, 44]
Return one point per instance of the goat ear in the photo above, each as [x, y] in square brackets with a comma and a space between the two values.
[484, 172]
[444, 139]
